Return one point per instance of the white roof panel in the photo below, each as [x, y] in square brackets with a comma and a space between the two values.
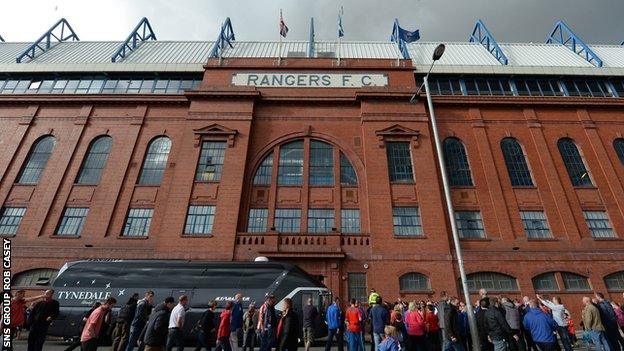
[545, 55]
[611, 55]
[456, 54]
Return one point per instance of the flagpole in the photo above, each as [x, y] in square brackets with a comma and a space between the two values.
[339, 42]
[279, 46]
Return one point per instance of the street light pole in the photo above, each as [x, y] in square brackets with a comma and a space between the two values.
[472, 321]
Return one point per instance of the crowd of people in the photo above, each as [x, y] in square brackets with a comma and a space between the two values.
[503, 324]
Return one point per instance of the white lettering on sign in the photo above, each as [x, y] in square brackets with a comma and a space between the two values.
[310, 80]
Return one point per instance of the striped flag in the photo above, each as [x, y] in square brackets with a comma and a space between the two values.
[283, 28]
[340, 27]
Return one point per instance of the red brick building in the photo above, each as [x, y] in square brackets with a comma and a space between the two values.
[170, 154]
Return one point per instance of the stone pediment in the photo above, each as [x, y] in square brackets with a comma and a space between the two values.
[217, 131]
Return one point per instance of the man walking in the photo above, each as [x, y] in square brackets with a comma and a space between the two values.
[380, 318]
[206, 327]
[558, 312]
[609, 321]
[310, 316]
[541, 326]
[176, 325]
[452, 335]
[121, 325]
[250, 320]
[141, 315]
[267, 324]
[353, 317]
[154, 335]
[498, 329]
[236, 324]
[42, 314]
[91, 330]
[333, 325]
[593, 324]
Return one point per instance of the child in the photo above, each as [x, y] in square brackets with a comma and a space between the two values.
[390, 342]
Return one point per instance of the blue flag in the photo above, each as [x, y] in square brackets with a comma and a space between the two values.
[401, 34]
[340, 27]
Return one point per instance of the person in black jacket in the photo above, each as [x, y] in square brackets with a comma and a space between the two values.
[122, 324]
[452, 328]
[206, 327]
[154, 335]
[497, 327]
[141, 314]
[484, 305]
[42, 314]
[289, 333]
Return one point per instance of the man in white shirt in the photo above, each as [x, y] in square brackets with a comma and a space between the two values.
[176, 323]
[558, 313]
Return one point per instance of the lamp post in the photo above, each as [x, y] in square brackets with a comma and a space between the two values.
[437, 53]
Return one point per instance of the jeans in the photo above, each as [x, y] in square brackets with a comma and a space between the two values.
[267, 339]
[223, 344]
[599, 340]
[545, 346]
[377, 338]
[453, 345]
[249, 341]
[565, 338]
[330, 338]
[36, 338]
[174, 338]
[499, 345]
[133, 338]
[355, 341]
[202, 341]
[614, 338]
[234, 340]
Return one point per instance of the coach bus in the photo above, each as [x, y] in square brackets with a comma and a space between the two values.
[80, 284]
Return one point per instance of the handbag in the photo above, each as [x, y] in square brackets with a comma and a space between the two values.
[586, 336]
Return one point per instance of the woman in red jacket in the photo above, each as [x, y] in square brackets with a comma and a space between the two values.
[223, 333]
[416, 328]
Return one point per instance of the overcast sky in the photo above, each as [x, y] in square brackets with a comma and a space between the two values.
[596, 21]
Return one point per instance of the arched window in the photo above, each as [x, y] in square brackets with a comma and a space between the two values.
[155, 161]
[321, 163]
[95, 161]
[491, 281]
[347, 172]
[263, 173]
[575, 282]
[517, 167]
[456, 161]
[34, 278]
[290, 171]
[615, 281]
[579, 176]
[413, 281]
[618, 145]
[36, 160]
[545, 282]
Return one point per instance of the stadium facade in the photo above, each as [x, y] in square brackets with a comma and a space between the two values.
[175, 150]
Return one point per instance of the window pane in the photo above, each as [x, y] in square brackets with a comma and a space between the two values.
[456, 161]
[350, 221]
[517, 167]
[399, 162]
[10, 220]
[579, 176]
[95, 161]
[491, 281]
[615, 281]
[545, 282]
[36, 160]
[288, 220]
[138, 222]
[618, 145]
[258, 218]
[199, 219]
[320, 220]
[155, 161]
[413, 282]
[72, 221]
[469, 224]
[357, 286]
[406, 221]
[211, 161]
[575, 282]
[290, 170]
[265, 171]
[535, 224]
[321, 163]
[347, 172]
[599, 224]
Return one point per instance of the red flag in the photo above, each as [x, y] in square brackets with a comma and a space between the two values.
[283, 28]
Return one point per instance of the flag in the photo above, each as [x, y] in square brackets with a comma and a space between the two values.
[405, 35]
[283, 28]
[340, 27]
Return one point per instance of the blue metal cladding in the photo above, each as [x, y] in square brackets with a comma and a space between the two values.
[61, 31]
[226, 35]
[311, 39]
[480, 34]
[396, 37]
[563, 35]
[1, 39]
[142, 32]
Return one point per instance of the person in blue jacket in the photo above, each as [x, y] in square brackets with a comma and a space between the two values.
[541, 326]
[390, 341]
[380, 317]
[236, 322]
[334, 325]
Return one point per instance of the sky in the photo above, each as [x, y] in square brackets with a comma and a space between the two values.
[595, 21]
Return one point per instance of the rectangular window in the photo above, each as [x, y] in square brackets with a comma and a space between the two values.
[258, 218]
[350, 221]
[10, 220]
[211, 160]
[599, 224]
[321, 163]
[320, 220]
[288, 220]
[138, 222]
[290, 165]
[72, 221]
[399, 162]
[406, 221]
[469, 224]
[535, 224]
[357, 286]
[199, 219]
